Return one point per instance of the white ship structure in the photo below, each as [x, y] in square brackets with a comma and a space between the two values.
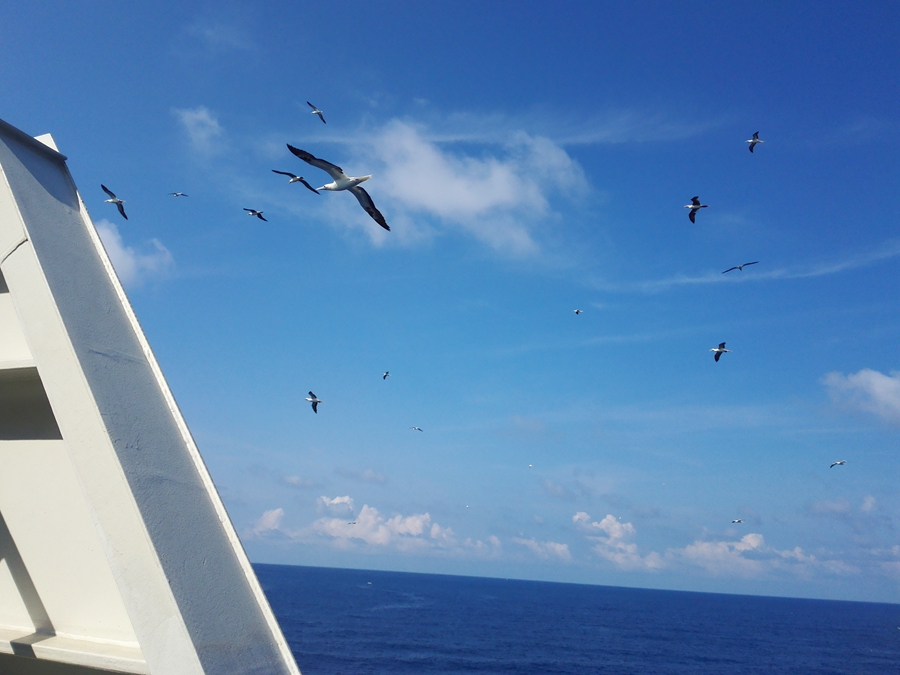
[116, 552]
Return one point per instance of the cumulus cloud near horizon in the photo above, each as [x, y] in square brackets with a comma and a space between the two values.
[613, 543]
[867, 390]
[132, 266]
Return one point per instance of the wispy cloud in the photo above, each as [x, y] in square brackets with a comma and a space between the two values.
[545, 549]
[217, 38]
[888, 249]
[365, 476]
[268, 522]
[867, 390]
[204, 133]
[132, 266]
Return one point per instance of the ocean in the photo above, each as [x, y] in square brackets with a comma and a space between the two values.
[355, 622]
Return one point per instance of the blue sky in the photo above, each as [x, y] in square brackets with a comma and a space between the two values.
[531, 159]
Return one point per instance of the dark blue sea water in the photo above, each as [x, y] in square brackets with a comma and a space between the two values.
[354, 622]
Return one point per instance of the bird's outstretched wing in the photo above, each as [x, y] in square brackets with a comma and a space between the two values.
[366, 202]
[693, 215]
[315, 407]
[695, 201]
[750, 263]
[284, 173]
[752, 145]
[108, 191]
[756, 136]
[312, 395]
[718, 354]
[260, 216]
[321, 117]
[333, 170]
[311, 105]
[729, 269]
[122, 210]
[309, 186]
[721, 345]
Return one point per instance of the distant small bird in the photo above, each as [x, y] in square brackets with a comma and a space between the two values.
[719, 350]
[114, 200]
[315, 400]
[578, 311]
[352, 522]
[840, 463]
[753, 141]
[179, 194]
[529, 466]
[316, 111]
[737, 521]
[385, 375]
[254, 212]
[740, 267]
[694, 206]
[296, 179]
[343, 182]
[415, 428]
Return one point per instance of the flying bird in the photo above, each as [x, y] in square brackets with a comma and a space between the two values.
[296, 179]
[578, 311]
[740, 267]
[114, 200]
[415, 428]
[737, 521]
[840, 463]
[178, 194]
[753, 141]
[694, 206]
[343, 182]
[254, 212]
[352, 522]
[719, 350]
[385, 375]
[316, 111]
[312, 398]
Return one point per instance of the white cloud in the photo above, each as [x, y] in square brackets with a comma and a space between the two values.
[131, 266]
[202, 127]
[344, 503]
[867, 390]
[269, 521]
[373, 528]
[545, 549]
[614, 544]
[869, 504]
[502, 198]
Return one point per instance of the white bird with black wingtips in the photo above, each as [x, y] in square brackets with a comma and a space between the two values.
[296, 179]
[343, 182]
[114, 200]
[753, 141]
[839, 463]
[695, 206]
[316, 111]
[315, 400]
[719, 350]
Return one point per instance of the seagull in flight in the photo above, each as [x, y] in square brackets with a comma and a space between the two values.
[114, 200]
[578, 311]
[254, 212]
[719, 350]
[738, 520]
[840, 463]
[385, 375]
[178, 194]
[740, 267]
[352, 522]
[416, 428]
[316, 111]
[296, 179]
[694, 206]
[343, 182]
[753, 141]
[312, 398]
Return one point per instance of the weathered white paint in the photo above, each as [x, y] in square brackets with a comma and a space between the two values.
[117, 544]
